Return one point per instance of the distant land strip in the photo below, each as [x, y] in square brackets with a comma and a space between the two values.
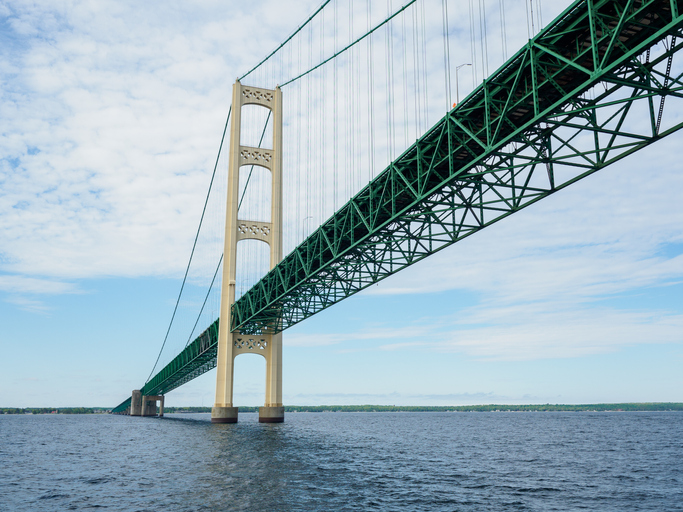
[626, 407]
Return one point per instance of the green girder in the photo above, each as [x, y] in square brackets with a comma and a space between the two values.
[516, 139]
[562, 108]
[197, 358]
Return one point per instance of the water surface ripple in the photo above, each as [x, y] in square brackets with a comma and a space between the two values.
[344, 461]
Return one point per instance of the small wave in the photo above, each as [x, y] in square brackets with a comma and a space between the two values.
[53, 495]
[537, 489]
[98, 480]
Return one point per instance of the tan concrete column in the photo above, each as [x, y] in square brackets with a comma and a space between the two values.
[223, 411]
[274, 372]
[276, 181]
[273, 412]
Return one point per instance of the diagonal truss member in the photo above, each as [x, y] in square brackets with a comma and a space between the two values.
[581, 95]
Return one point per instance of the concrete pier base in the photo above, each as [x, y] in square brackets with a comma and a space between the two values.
[224, 414]
[149, 405]
[271, 414]
[136, 403]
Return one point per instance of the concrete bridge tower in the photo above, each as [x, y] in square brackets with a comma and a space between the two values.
[267, 344]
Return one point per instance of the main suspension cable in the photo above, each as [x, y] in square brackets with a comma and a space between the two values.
[189, 338]
[350, 45]
[286, 40]
[194, 245]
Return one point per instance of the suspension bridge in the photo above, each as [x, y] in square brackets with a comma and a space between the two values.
[589, 89]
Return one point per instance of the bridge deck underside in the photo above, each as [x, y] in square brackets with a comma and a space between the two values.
[579, 96]
[535, 126]
[198, 357]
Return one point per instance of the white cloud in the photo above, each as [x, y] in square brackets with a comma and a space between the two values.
[548, 330]
[22, 284]
[112, 114]
[32, 305]
[367, 334]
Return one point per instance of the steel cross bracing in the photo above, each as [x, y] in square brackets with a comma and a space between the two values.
[579, 96]
[198, 357]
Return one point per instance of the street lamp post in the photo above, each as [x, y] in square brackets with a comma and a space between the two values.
[457, 92]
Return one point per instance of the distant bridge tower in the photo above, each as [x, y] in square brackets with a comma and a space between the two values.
[232, 344]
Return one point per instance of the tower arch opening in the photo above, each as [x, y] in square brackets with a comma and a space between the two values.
[257, 127]
[250, 372]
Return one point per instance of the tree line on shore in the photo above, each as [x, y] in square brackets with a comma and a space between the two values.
[654, 406]
[481, 408]
[54, 410]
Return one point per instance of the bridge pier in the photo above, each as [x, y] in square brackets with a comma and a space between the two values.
[224, 414]
[149, 405]
[136, 403]
[145, 405]
[266, 343]
[271, 414]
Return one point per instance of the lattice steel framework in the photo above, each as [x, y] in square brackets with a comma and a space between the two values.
[584, 93]
[581, 95]
[198, 357]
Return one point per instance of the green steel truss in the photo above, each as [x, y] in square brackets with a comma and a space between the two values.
[581, 95]
[198, 357]
[584, 93]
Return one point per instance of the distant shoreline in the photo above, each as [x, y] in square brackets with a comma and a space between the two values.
[620, 407]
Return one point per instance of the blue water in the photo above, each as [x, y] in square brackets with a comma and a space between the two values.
[344, 461]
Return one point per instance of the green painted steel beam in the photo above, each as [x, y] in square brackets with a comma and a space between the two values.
[197, 358]
[566, 105]
[122, 406]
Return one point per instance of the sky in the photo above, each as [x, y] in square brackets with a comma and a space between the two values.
[111, 116]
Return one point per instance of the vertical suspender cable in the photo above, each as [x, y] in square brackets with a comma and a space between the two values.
[503, 33]
[371, 86]
[424, 68]
[446, 53]
[540, 15]
[389, 84]
[484, 39]
[350, 109]
[404, 58]
[531, 17]
[335, 122]
[416, 75]
[473, 45]
[298, 166]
